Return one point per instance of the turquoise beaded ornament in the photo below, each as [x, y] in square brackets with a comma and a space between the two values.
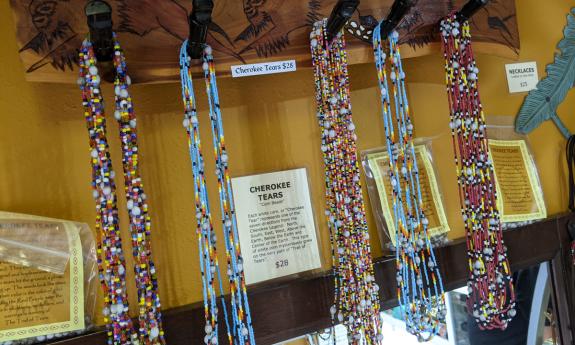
[419, 287]
[240, 332]
[111, 262]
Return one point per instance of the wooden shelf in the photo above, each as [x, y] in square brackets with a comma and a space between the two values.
[290, 309]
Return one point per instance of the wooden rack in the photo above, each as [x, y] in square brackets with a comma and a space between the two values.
[291, 309]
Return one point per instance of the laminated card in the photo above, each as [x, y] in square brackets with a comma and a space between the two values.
[276, 224]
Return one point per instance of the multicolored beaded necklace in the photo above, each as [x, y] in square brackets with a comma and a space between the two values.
[491, 293]
[111, 262]
[419, 286]
[241, 331]
[356, 293]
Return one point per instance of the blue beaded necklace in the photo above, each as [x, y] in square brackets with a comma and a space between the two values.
[419, 286]
[240, 332]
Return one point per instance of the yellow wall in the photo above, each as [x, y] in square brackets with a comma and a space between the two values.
[270, 125]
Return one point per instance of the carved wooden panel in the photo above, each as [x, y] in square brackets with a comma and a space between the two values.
[49, 32]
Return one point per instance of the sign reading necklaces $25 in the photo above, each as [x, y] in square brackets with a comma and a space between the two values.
[276, 224]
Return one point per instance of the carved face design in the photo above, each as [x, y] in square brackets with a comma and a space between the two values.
[254, 8]
[42, 12]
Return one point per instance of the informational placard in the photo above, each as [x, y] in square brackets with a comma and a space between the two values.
[276, 224]
[432, 204]
[327, 337]
[34, 302]
[522, 77]
[520, 193]
[263, 68]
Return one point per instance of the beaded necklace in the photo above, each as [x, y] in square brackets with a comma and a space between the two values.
[356, 301]
[491, 293]
[241, 330]
[111, 262]
[419, 287]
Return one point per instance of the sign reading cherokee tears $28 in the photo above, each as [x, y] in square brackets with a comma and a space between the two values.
[263, 68]
[276, 225]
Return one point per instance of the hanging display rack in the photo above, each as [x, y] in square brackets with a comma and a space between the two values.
[238, 34]
[100, 29]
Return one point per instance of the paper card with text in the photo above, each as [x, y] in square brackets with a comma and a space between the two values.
[432, 203]
[263, 68]
[276, 224]
[36, 302]
[522, 77]
[520, 193]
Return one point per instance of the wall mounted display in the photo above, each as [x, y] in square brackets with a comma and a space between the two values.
[518, 187]
[376, 163]
[47, 278]
[276, 224]
[49, 32]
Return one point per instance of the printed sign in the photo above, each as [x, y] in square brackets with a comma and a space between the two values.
[327, 338]
[263, 68]
[432, 205]
[522, 77]
[33, 302]
[275, 224]
[519, 190]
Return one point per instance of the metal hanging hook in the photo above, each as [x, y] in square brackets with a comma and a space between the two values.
[99, 17]
[199, 20]
[340, 14]
[469, 9]
[398, 10]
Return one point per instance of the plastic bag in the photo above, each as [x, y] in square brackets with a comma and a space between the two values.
[48, 278]
[376, 167]
[520, 195]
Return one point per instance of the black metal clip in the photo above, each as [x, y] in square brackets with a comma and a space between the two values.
[398, 10]
[340, 14]
[99, 16]
[469, 9]
[199, 20]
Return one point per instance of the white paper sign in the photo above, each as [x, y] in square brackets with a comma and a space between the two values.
[263, 68]
[522, 77]
[340, 333]
[275, 224]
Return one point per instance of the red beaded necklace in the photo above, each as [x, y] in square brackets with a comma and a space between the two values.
[491, 293]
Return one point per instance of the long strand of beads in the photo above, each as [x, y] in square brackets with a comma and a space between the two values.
[356, 299]
[209, 265]
[241, 330]
[491, 293]
[419, 286]
[111, 262]
[150, 317]
[227, 208]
